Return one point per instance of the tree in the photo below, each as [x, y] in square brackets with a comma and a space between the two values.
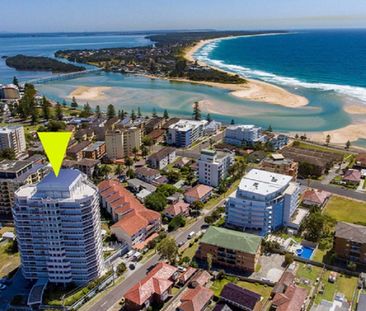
[8, 154]
[154, 114]
[46, 111]
[15, 81]
[166, 189]
[144, 151]
[98, 113]
[118, 170]
[87, 111]
[111, 112]
[139, 114]
[168, 249]
[135, 151]
[156, 201]
[59, 114]
[27, 106]
[166, 115]
[196, 111]
[173, 176]
[197, 206]
[348, 144]
[297, 136]
[130, 173]
[289, 259]
[128, 161]
[133, 115]
[317, 226]
[176, 222]
[232, 122]
[147, 141]
[270, 128]
[327, 140]
[74, 104]
[209, 262]
[121, 268]
[105, 170]
[208, 118]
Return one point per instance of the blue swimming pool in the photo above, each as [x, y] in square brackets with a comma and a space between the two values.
[305, 252]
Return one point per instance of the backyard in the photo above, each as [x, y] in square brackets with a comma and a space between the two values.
[342, 209]
[8, 260]
[307, 272]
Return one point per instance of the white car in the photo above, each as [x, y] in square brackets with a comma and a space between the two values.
[191, 235]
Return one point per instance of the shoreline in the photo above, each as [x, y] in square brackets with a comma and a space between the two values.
[253, 90]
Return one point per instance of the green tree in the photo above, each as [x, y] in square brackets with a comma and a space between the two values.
[105, 170]
[173, 176]
[119, 169]
[270, 128]
[64, 103]
[59, 114]
[133, 115]
[168, 249]
[289, 259]
[8, 154]
[197, 206]
[208, 118]
[166, 189]
[176, 222]
[348, 144]
[121, 268]
[27, 106]
[166, 115]
[156, 201]
[15, 81]
[86, 112]
[98, 113]
[46, 108]
[232, 122]
[74, 103]
[154, 114]
[128, 162]
[147, 141]
[135, 151]
[111, 112]
[327, 140]
[139, 114]
[196, 111]
[144, 151]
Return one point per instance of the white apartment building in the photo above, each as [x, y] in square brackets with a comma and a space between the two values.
[213, 166]
[13, 137]
[263, 202]
[185, 132]
[243, 135]
[121, 142]
[58, 229]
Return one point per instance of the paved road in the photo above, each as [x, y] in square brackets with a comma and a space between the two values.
[116, 294]
[335, 189]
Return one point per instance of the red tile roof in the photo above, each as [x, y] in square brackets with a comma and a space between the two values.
[177, 208]
[184, 277]
[195, 299]
[201, 278]
[157, 281]
[198, 192]
[316, 196]
[352, 175]
[292, 300]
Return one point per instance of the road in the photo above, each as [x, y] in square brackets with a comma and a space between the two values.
[334, 189]
[116, 294]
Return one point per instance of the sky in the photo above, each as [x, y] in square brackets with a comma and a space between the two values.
[130, 15]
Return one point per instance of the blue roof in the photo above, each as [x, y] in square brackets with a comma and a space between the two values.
[63, 181]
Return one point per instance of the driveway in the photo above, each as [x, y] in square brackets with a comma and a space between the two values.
[271, 268]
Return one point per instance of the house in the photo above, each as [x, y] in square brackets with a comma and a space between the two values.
[76, 152]
[176, 209]
[185, 276]
[154, 123]
[240, 298]
[158, 136]
[287, 279]
[350, 242]
[352, 176]
[137, 185]
[315, 197]
[360, 162]
[195, 299]
[338, 304]
[198, 193]
[162, 158]
[134, 222]
[292, 299]
[201, 278]
[230, 249]
[147, 174]
[154, 288]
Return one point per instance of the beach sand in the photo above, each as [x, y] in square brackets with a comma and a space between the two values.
[89, 93]
[252, 90]
[355, 109]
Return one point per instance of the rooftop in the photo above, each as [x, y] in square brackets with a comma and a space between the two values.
[195, 299]
[263, 182]
[230, 239]
[239, 296]
[352, 232]
[162, 153]
[186, 125]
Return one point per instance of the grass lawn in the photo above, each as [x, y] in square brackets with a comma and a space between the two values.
[344, 284]
[6, 229]
[307, 146]
[308, 272]
[213, 202]
[8, 262]
[319, 255]
[190, 251]
[342, 209]
[263, 290]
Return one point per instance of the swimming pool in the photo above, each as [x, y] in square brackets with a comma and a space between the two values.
[305, 252]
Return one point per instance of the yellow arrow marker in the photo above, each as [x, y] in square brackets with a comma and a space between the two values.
[55, 145]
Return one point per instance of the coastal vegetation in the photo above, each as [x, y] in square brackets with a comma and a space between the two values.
[165, 58]
[40, 63]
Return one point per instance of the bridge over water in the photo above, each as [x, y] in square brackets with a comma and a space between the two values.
[64, 76]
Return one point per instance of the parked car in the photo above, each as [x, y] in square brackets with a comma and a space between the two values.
[191, 235]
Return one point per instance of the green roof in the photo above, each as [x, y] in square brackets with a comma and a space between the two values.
[230, 239]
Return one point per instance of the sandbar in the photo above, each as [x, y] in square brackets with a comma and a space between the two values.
[89, 93]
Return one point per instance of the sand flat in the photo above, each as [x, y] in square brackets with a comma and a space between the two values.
[89, 93]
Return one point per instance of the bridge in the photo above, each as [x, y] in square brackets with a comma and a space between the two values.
[64, 76]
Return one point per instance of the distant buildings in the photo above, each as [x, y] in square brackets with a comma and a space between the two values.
[9, 92]
[213, 166]
[277, 163]
[263, 202]
[14, 174]
[58, 229]
[12, 137]
[75, 151]
[243, 135]
[155, 287]
[162, 158]
[230, 249]
[134, 222]
[200, 193]
[120, 143]
[350, 242]
[185, 132]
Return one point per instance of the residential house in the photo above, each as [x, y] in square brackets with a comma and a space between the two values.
[147, 174]
[315, 197]
[162, 158]
[350, 242]
[195, 299]
[185, 276]
[352, 177]
[154, 288]
[154, 123]
[360, 161]
[176, 209]
[240, 298]
[199, 192]
[230, 249]
[201, 278]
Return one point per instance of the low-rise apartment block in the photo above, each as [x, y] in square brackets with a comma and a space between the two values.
[243, 135]
[162, 158]
[95, 151]
[277, 163]
[213, 166]
[263, 202]
[229, 248]
[185, 132]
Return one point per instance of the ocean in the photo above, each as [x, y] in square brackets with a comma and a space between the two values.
[292, 61]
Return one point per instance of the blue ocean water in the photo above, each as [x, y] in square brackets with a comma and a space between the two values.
[323, 60]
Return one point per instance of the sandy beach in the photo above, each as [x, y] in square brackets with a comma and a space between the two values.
[89, 93]
[252, 90]
[355, 109]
